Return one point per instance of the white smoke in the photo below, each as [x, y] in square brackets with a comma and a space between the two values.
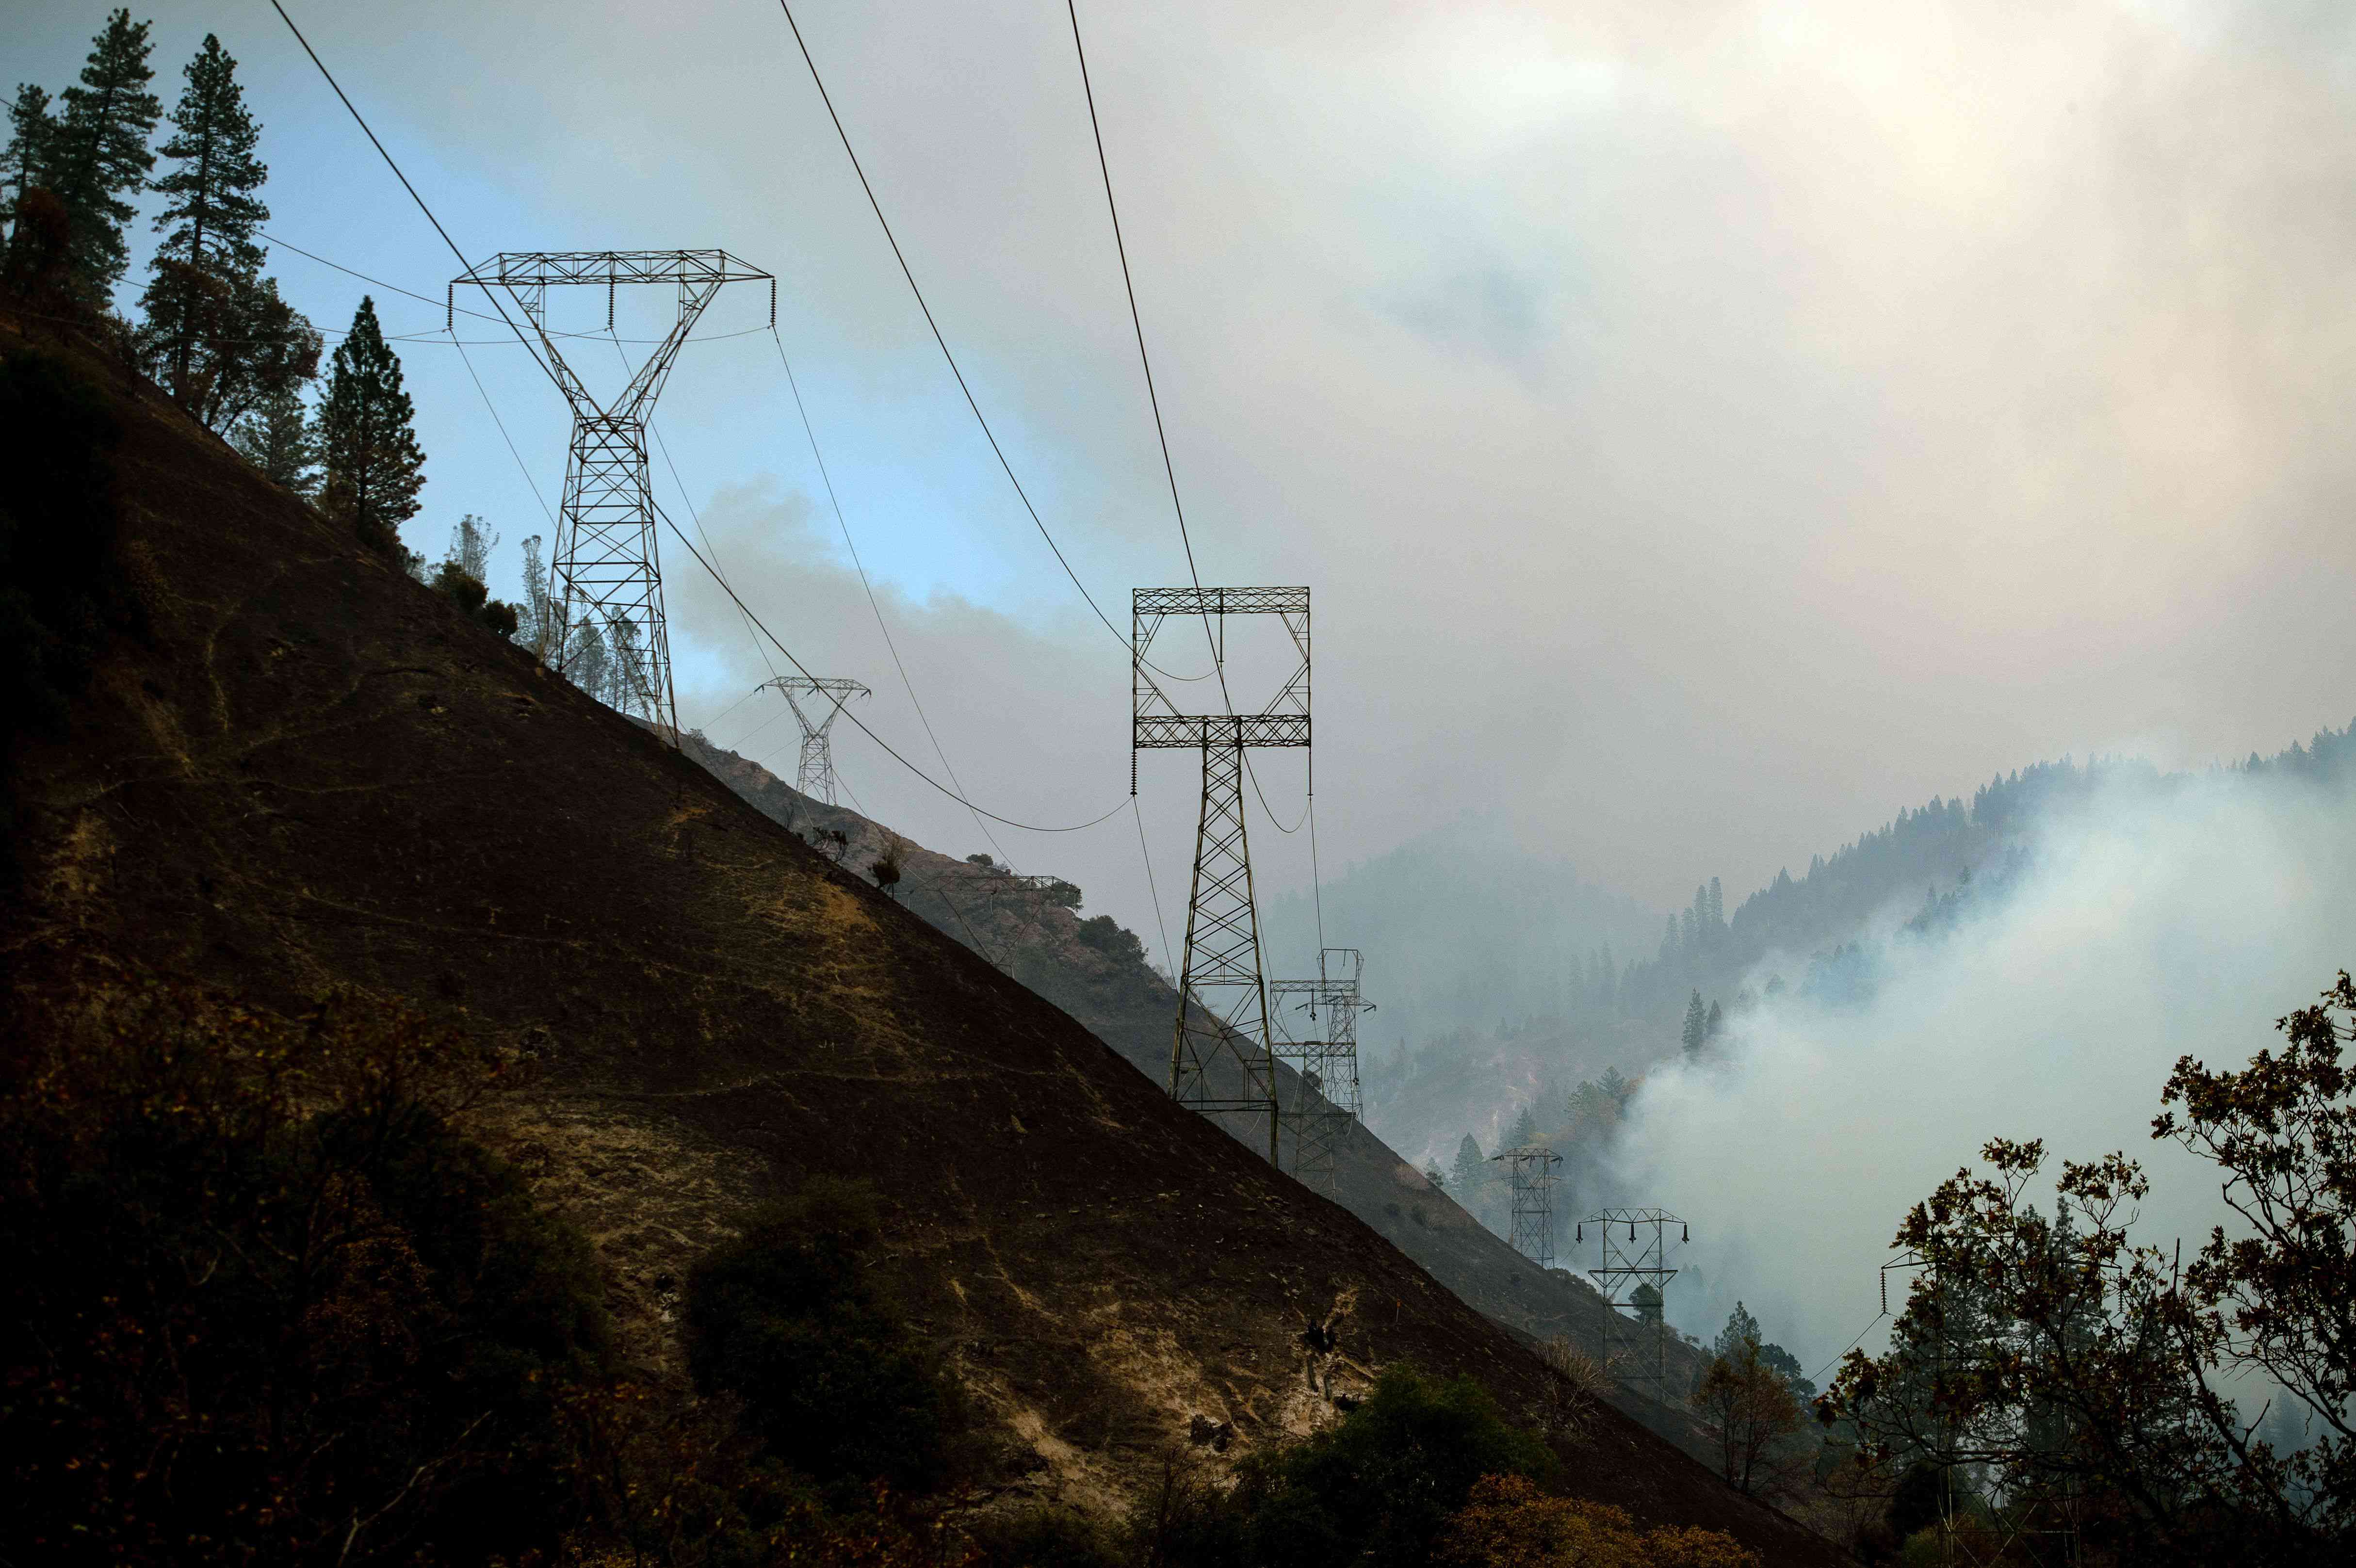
[2151, 923]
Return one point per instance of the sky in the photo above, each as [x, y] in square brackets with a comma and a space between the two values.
[1705, 427]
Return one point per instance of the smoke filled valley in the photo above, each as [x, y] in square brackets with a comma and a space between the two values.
[614, 953]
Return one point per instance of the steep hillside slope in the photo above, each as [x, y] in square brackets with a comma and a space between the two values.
[1099, 974]
[313, 773]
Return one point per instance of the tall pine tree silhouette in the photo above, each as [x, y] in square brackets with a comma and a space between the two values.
[32, 137]
[99, 154]
[208, 263]
[367, 439]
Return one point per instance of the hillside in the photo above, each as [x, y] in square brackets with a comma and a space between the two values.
[309, 773]
[1096, 972]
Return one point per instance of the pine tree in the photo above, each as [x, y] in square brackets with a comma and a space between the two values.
[1526, 1129]
[1711, 1025]
[100, 153]
[471, 543]
[1471, 1171]
[31, 139]
[223, 346]
[1669, 940]
[211, 215]
[1717, 906]
[367, 439]
[532, 629]
[1696, 1029]
[1741, 1329]
[278, 437]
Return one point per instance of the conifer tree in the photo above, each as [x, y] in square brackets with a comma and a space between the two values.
[31, 137]
[532, 629]
[1471, 1170]
[211, 220]
[277, 437]
[99, 154]
[1526, 1129]
[367, 439]
[1713, 1023]
[1696, 1029]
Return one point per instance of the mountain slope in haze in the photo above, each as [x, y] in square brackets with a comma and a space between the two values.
[1596, 1013]
[313, 775]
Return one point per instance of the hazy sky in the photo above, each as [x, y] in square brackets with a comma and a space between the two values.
[1705, 428]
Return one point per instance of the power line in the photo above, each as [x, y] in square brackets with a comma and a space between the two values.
[528, 479]
[688, 544]
[1850, 1346]
[1147, 856]
[1169, 467]
[693, 515]
[464, 264]
[810, 433]
[1137, 324]
[942, 342]
[889, 749]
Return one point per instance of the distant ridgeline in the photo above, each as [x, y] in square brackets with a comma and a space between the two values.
[1943, 848]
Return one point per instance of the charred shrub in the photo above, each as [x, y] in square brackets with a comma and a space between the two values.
[790, 1319]
[264, 1301]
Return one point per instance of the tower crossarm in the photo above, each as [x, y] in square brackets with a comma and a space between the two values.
[541, 269]
[527, 276]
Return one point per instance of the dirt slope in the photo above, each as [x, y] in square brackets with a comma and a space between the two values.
[314, 774]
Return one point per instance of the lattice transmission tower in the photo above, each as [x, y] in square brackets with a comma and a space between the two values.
[1532, 1166]
[1322, 1100]
[1221, 1057]
[604, 579]
[815, 778]
[1634, 1272]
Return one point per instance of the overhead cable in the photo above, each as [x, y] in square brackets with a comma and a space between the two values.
[943, 343]
[810, 434]
[464, 264]
[889, 749]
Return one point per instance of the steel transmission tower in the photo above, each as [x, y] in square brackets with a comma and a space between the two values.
[1533, 1173]
[1221, 1056]
[816, 775]
[604, 575]
[1635, 1273]
[1323, 1098]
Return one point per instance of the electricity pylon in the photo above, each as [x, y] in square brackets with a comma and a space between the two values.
[605, 573]
[815, 776]
[1221, 1057]
[1640, 1260]
[1532, 1166]
[1324, 1100]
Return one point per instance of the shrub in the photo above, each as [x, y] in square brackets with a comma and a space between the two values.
[1379, 1489]
[790, 1319]
[1509, 1523]
[264, 1301]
